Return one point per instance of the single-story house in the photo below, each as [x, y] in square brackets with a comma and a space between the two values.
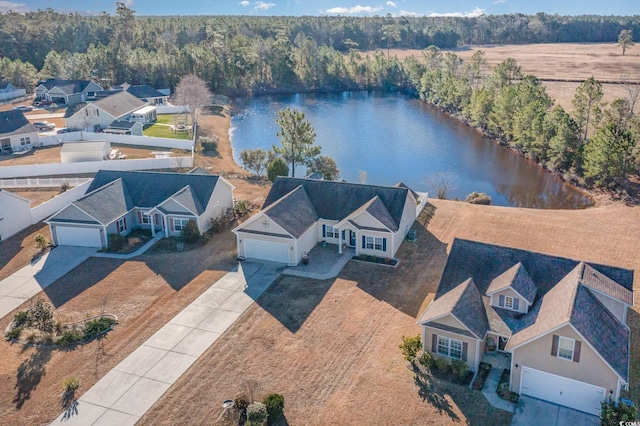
[299, 213]
[119, 127]
[6, 87]
[100, 114]
[561, 321]
[66, 92]
[9, 91]
[117, 202]
[144, 115]
[75, 152]
[15, 213]
[146, 93]
[16, 132]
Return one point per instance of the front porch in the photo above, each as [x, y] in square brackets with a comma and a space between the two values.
[324, 262]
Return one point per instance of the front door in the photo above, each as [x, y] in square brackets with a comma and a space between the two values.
[352, 238]
[502, 343]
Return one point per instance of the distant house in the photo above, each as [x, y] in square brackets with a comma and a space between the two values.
[299, 213]
[66, 92]
[100, 114]
[119, 127]
[141, 91]
[76, 152]
[15, 213]
[16, 132]
[6, 87]
[118, 202]
[561, 322]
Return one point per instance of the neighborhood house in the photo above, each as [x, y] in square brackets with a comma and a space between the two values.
[118, 202]
[561, 321]
[66, 92]
[16, 132]
[299, 213]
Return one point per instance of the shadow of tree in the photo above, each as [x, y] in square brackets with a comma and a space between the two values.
[29, 375]
[433, 396]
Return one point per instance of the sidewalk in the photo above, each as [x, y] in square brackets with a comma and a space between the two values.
[133, 386]
[133, 254]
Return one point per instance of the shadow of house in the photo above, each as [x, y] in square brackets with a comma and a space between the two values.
[29, 375]
[11, 247]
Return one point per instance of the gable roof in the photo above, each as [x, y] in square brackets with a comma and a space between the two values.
[14, 122]
[119, 104]
[464, 302]
[68, 87]
[121, 124]
[5, 84]
[518, 279]
[113, 193]
[336, 200]
[294, 212]
[143, 91]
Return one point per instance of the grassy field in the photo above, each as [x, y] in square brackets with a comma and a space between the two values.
[159, 130]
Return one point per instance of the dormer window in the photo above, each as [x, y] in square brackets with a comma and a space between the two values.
[508, 302]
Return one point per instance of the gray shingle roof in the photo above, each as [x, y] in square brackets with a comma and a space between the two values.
[337, 200]
[14, 121]
[68, 87]
[518, 279]
[293, 212]
[143, 91]
[119, 104]
[113, 193]
[603, 284]
[120, 124]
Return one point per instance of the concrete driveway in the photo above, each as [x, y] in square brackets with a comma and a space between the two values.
[535, 412]
[41, 273]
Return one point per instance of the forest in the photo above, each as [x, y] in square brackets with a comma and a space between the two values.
[240, 55]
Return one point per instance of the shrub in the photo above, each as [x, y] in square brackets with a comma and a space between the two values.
[41, 241]
[70, 338]
[97, 326]
[442, 365]
[478, 198]
[253, 423]
[207, 144]
[117, 242]
[459, 368]
[40, 316]
[275, 405]
[617, 414]
[218, 225]
[257, 412]
[20, 319]
[70, 384]
[426, 360]
[190, 232]
[410, 347]
[277, 167]
[64, 187]
[240, 403]
[242, 207]
[30, 336]
[14, 333]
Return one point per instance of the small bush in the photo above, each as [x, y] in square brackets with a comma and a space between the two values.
[190, 233]
[40, 317]
[70, 384]
[410, 346]
[207, 144]
[218, 225]
[277, 167]
[242, 207]
[459, 368]
[70, 338]
[478, 198]
[253, 423]
[117, 242]
[97, 326]
[275, 405]
[617, 414]
[20, 319]
[257, 412]
[240, 403]
[442, 365]
[30, 336]
[64, 187]
[41, 241]
[426, 360]
[14, 333]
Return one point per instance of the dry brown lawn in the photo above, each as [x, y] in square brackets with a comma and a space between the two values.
[36, 195]
[331, 347]
[562, 61]
[18, 250]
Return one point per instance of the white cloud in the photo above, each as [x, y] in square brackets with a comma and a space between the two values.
[244, 3]
[475, 13]
[499, 1]
[6, 6]
[392, 4]
[409, 14]
[260, 5]
[128, 3]
[356, 10]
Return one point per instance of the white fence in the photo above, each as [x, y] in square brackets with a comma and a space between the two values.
[54, 169]
[10, 95]
[42, 182]
[48, 208]
[172, 109]
[121, 139]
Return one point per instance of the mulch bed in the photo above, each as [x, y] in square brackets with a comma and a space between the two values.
[503, 388]
[481, 377]
[377, 260]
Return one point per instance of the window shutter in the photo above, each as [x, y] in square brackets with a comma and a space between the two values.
[343, 235]
[576, 351]
[173, 227]
[501, 302]
[554, 345]
[434, 343]
[324, 231]
[516, 303]
[465, 349]
[363, 241]
[139, 216]
[384, 244]
[124, 220]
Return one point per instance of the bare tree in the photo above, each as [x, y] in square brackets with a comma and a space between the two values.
[632, 86]
[193, 92]
[442, 183]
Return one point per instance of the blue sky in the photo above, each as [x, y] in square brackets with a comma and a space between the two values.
[335, 7]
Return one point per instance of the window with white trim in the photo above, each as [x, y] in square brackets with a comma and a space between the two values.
[331, 232]
[565, 348]
[121, 224]
[508, 302]
[374, 243]
[179, 224]
[25, 141]
[145, 218]
[449, 347]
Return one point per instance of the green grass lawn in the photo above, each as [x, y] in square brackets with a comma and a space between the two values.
[168, 118]
[162, 131]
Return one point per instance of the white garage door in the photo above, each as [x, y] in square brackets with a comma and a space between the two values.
[561, 390]
[265, 250]
[81, 237]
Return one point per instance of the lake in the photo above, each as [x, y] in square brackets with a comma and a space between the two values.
[395, 138]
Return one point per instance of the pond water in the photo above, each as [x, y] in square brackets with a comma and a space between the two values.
[395, 138]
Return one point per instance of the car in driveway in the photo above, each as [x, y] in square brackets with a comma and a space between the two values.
[44, 125]
[24, 108]
[64, 130]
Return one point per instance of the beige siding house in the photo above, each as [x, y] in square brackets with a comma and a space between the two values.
[561, 322]
[300, 213]
[99, 115]
[118, 202]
